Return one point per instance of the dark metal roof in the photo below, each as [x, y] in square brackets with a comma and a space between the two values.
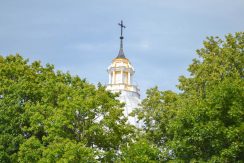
[121, 53]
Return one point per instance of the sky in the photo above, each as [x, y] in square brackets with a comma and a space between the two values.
[82, 36]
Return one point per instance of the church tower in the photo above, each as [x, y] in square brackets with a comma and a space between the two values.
[121, 74]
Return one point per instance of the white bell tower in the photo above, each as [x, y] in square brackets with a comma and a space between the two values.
[121, 74]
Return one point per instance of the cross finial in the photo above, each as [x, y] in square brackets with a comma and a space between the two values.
[121, 26]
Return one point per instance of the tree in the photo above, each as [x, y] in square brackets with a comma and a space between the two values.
[205, 121]
[155, 111]
[141, 151]
[48, 115]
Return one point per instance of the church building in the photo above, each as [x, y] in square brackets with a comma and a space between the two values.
[121, 73]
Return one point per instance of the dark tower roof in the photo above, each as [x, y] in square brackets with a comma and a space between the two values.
[121, 51]
[121, 54]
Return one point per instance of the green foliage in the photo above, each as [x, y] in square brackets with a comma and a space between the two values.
[205, 121]
[47, 115]
[156, 110]
[140, 151]
[30, 150]
[210, 128]
[65, 150]
[211, 111]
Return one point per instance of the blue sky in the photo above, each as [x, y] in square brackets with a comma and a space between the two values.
[82, 37]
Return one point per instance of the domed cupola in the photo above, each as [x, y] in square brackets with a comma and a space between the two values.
[121, 71]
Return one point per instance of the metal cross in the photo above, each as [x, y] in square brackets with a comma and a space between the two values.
[122, 26]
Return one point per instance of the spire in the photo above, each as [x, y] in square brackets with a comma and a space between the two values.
[121, 52]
